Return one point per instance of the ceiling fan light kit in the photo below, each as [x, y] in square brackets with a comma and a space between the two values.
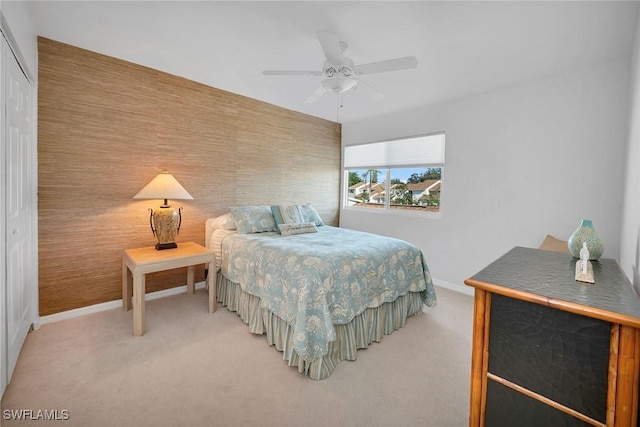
[339, 84]
[340, 74]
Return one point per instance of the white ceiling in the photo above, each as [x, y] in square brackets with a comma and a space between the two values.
[462, 47]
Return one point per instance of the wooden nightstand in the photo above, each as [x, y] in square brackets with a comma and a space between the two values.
[548, 350]
[138, 262]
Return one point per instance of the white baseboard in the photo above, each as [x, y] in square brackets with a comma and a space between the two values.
[463, 289]
[96, 308]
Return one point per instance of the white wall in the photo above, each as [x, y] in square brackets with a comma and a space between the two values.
[20, 26]
[630, 234]
[521, 162]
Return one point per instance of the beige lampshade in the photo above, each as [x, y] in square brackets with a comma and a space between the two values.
[164, 186]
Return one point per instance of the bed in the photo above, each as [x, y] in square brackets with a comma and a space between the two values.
[319, 293]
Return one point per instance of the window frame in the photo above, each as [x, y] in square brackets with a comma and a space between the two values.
[386, 169]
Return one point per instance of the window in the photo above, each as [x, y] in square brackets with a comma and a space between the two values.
[400, 174]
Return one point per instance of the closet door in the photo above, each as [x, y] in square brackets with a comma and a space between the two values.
[3, 241]
[17, 140]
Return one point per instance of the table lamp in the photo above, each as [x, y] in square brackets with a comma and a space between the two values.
[165, 221]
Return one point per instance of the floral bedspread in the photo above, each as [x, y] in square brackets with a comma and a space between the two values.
[316, 280]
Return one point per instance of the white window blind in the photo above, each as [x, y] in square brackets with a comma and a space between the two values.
[420, 150]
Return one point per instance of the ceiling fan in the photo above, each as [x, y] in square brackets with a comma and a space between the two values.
[340, 74]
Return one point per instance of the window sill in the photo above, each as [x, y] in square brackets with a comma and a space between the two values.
[395, 212]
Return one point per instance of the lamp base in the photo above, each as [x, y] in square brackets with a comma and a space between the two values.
[161, 246]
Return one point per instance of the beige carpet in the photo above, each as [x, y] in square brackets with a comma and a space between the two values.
[196, 369]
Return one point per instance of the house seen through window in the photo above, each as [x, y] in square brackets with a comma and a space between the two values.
[401, 174]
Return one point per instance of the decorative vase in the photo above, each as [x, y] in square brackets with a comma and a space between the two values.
[586, 233]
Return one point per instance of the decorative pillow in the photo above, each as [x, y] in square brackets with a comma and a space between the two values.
[253, 219]
[297, 228]
[286, 214]
[224, 221]
[309, 214]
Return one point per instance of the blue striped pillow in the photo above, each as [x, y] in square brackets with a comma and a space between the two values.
[286, 214]
[309, 214]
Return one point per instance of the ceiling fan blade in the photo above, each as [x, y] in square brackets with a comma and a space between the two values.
[291, 73]
[369, 90]
[331, 46]
[388, 65]
[320, 90]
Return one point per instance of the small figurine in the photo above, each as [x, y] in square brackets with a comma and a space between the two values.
[584, 269]
[584, 257]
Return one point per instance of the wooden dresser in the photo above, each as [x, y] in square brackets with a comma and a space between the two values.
[550, 351]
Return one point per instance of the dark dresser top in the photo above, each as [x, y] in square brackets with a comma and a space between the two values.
[547, 277]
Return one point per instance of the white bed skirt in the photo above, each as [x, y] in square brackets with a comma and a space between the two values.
[365, 328]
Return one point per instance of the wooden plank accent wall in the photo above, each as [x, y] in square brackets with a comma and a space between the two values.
[106, 127]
